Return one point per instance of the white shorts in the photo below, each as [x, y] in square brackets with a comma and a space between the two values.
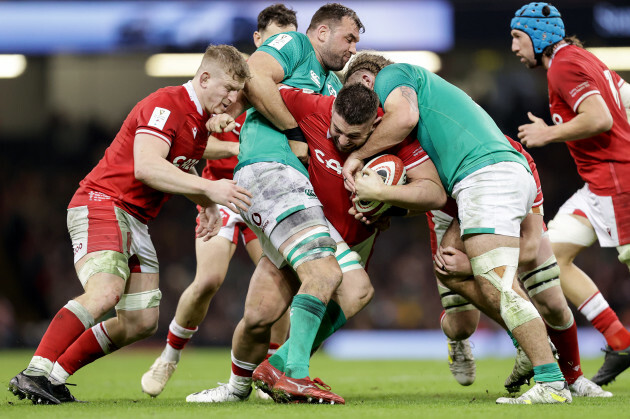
[97, 227]
[495, 199]
[278, 190]
[609, 215]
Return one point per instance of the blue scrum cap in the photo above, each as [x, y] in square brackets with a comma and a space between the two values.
[542, 22]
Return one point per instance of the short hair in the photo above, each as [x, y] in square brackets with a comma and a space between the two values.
[277, 13]
[334, 12]
[373, 63]
[229, 59]
[356, 104]
[571, 40]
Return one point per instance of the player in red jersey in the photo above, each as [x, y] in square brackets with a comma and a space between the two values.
[152, 157]
[213, 256]
[332, 132]
[538, 273]
[586, 102]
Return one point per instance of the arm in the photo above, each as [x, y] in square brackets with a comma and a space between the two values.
[217, 149]
[152, 169]
[624, 92]
[422, 192]
[401, 116]
[593, 117]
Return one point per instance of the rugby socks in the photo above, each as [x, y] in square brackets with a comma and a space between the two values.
[67, 325]
[241, 376]
[177, 338]
[604, 319]
[332, 321]
[547, 373]
[93, 344]
[566, 342]
[307, 312]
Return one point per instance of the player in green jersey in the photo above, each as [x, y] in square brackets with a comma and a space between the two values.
[285, 213]
[494, 190]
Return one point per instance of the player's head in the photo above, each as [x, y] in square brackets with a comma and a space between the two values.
[272, 20]
[354, 117]
[222, 73]
[364, 67]
[542, 24]
[334, 32]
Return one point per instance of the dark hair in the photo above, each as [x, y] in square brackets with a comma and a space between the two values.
[571, 40]
[356, 104]
[334, 12]
[277, 13]
[229, 59]
[367, 61]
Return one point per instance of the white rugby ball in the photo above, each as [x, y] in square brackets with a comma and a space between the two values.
[393, 172]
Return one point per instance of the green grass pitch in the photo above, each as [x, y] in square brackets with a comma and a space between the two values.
[372, 389]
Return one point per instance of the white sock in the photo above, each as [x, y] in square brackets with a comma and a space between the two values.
[171, 354]
[58, 375]
[39, 366]
[240, 385]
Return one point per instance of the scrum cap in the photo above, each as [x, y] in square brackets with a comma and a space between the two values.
[542, 22]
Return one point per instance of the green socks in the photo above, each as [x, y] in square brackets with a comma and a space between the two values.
[548, 372]
[306, 316]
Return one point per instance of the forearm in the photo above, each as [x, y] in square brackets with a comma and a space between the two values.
[217, 149]
[386, 135]
[164, 177]
[423, 195]
[264, 96]
[580, 127]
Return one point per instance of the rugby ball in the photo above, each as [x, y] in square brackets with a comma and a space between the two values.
[392, 171]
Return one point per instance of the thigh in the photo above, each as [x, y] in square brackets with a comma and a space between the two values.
[213, 257]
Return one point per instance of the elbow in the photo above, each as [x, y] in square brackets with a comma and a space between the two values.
[606, 123]
[441, 199]
[141, 173]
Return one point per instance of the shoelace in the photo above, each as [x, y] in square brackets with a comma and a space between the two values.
[322, 384]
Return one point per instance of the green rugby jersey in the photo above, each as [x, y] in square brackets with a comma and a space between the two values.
[259, 139]
[458, 135]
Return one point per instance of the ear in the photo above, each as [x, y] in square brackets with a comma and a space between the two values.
[257, 39]
[368, 80]
[322, 33]
[376, 122]
[204, 78]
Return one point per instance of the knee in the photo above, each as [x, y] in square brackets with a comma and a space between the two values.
[144, 325]
[207, 285]
[258, 320]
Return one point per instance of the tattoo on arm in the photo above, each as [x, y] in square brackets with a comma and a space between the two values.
[410, 95]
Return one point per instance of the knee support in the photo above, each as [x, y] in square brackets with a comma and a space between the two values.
[624, 254]
[453, 302]
[106, 261]
[348, 259]
[545, 276]
[139, 300]
[564, 228]
[515, 310]
[315, 244]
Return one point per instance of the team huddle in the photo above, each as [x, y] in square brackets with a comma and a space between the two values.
[286, 143]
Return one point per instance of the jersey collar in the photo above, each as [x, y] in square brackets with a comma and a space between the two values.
[193, 96]
[555, 51]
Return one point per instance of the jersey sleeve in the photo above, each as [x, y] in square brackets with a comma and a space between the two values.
[411, 153]
[391, 77]
[158, 117]
[287, 48]
[572, 82]
[300, 103]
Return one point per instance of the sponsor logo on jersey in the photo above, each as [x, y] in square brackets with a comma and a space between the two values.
[331, 90]
[315, 79]
[194, 132]
[280, 41]
[159, 117]
[184, 163]
[98, 196]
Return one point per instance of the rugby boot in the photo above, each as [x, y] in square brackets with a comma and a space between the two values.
[522, 372]
[304, 390]
[461, 361]
[36, 388]
[223, 393]
[542, 393]
[62, 393]
[615, 362]
[265, 377]
[583, 387]
[154, 380]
